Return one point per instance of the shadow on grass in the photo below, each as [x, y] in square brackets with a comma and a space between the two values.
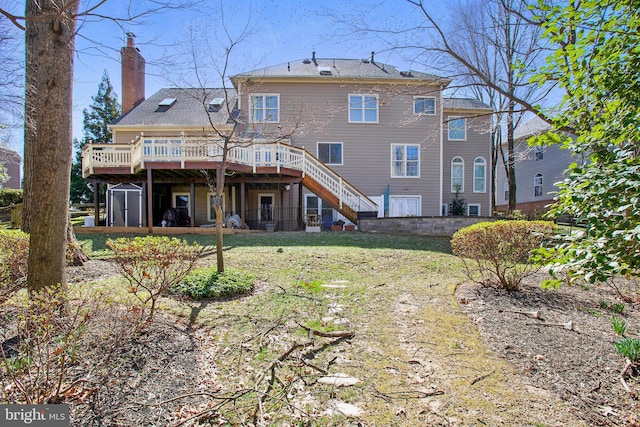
[95, 245]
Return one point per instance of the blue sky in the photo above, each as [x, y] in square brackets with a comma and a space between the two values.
[281, 31]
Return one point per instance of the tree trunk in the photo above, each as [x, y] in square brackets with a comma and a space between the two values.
[511, 159]
[220, 216]
[74, 250]
[49, 37]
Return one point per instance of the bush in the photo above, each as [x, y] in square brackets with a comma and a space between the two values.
[209, 283]
[153, 264]
[10, 197]
[497, 253]
[14, 252]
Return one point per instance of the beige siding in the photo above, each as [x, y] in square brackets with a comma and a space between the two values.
[477, 144]
[317, 112]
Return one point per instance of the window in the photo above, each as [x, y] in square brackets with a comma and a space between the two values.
[330, 152]
[537, 185]
[405, 161]
[182, 204]
[211, 203]
[473, 210]
[404, 206]
[363, 108]
[479, 175]
[445, 209]
[424, 105]
[505, 187]
[457, 175]
[538, 153]
[265, 108]
[457, 129]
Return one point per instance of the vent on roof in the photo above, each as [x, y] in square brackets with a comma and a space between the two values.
[167, 102]
[324, 71]
[406, 74]
[306, 61]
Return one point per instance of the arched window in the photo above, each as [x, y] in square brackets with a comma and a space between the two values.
[457, 175]
[479, 175]
[537, 185]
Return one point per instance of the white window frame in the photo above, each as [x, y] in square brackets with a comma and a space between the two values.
[475, 205]
[461, 164]
[423, 113]
[537, 184]
[452, 119]
[363, 109]
[331, 143]
[407, 197]
[445, 210]
[264, 107]
[538, 153]
[210, 205]
[404, 161]
[505, 188]
[173, 201]
[476, 162]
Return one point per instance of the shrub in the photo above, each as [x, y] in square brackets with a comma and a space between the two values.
[497, 253]
[55, 347]
[209, 283]
[10, 197]
[14, 252]
[153, 264]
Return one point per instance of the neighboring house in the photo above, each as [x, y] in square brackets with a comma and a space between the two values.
[11, 160]
[538, 169]
[320, 140]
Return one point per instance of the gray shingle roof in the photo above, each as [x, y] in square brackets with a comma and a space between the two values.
[465, 104]
[333, 68]
[187, 110]
[534, 126]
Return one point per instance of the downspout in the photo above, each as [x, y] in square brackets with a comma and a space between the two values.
[441, 149]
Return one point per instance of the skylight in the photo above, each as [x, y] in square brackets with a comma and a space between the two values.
[324, 70]
[167, 102]
[217, 102]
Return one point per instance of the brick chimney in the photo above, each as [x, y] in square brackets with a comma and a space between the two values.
[133, 75]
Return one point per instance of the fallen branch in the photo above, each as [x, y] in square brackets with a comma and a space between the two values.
[535, 314]
[482, 377]
[623, 373]
[333, 334]
[567, 325]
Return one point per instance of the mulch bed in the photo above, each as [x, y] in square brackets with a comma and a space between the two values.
[580, 365]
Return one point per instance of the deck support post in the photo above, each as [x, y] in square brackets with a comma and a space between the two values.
[150, 200]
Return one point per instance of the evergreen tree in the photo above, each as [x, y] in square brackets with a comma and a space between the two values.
[104, 110]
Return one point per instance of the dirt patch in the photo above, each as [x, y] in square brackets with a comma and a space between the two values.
[575, 361]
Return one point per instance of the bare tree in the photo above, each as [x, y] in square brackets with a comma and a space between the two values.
[50, 31]
[489, 48]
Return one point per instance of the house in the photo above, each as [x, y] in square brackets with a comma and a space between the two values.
[11, 161]
[314, 141]
[537, 168]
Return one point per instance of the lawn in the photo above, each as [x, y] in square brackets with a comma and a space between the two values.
[417, 358]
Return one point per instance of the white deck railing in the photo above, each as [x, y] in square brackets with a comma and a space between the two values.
[253, 153]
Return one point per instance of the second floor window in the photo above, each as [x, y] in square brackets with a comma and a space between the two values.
[330, 152]
[405, 161]
[424, 105]
[265, 108]
[537, 185]
[538, 153]
[479, 175]
[363, 108]
[457, 175]
[457, 129]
